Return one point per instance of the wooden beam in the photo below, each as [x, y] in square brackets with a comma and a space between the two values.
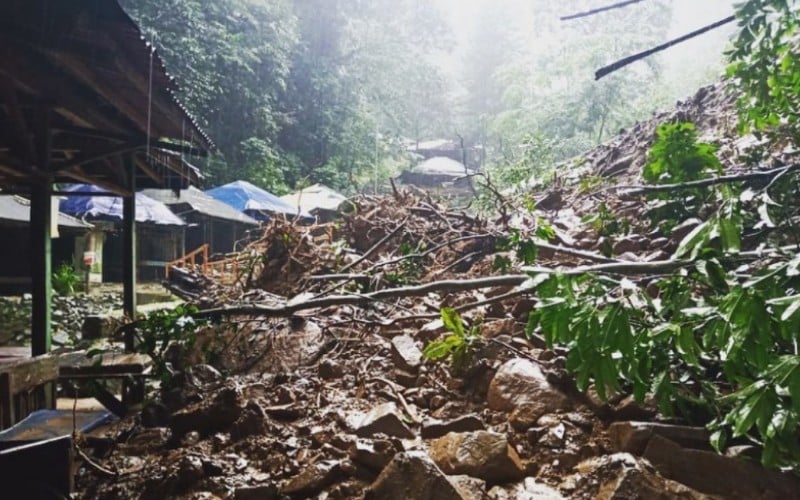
[85, 178]
[129, 249]
[19, 127]
[93, 156]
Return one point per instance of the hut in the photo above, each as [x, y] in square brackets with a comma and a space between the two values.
[161, 233]
[209, 220]
[15, 218]
[254, 201]
[318, 200]
[440, 174]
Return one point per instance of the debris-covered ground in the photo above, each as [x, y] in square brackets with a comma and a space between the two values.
[319, 387]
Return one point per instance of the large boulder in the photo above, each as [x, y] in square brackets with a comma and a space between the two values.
[521, 383]
[482, 454]
[412, 475]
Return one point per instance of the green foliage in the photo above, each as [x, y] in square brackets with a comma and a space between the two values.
[606, 223]
[765, 67]
[677, 156]
[65, 279]
[161, 329]
[523, 243]
[458, 345]
[711, 347]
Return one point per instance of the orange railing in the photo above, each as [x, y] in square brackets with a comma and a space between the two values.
[224, 270]
[190, 260]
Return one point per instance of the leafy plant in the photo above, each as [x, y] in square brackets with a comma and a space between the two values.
[765, 68]
[65, 279]
[162, 329]
[523, 244]
[457, 346]
[677, 156]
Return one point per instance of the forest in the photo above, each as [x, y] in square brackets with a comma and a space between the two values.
[334, 91]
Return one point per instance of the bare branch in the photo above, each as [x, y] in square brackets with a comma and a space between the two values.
[598, 10]
[605, 70]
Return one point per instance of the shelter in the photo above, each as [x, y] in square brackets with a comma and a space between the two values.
[84, 98]
[161, 233]
[209, 220]
[470, 156]
[439, 173]
[318, 200]
[15, 218]
[254, 201]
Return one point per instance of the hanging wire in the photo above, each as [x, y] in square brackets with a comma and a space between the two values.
[150, 94]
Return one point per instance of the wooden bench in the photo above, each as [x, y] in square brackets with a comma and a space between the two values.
[131, 368]
[26, 385]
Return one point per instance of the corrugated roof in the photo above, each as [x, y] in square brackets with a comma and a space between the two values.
[109, 208]
[18, 209]
[315, 197]
[201, 203]
[441, 165]
[251, 199]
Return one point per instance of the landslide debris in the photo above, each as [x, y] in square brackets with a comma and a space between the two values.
[324, 391]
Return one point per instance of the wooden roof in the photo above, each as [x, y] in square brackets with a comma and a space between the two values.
[78, 79]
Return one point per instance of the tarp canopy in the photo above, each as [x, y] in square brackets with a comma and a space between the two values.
[16, 209]
[109, 208]
[315, 197]
[253, 200]
[441, 165]
[201, 203]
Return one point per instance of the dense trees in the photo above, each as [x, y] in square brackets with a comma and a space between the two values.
[333, 91]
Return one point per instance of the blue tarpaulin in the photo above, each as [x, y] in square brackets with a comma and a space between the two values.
[47, 424]
[109, 208]
[253, 200]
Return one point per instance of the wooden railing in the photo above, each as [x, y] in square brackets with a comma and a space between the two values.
[224, 270]
[190, 260]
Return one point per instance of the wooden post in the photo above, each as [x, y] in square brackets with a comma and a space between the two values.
[129, 257]
[41, 268]
[41, 249]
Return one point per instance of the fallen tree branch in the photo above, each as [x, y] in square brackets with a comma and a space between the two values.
[376, 246]
[606, 70]
[725, 179]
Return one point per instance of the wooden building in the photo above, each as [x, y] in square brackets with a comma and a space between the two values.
[84, 98]
[209, 221]
[15, 218]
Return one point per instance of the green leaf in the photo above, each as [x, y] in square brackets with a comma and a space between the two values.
[452, 321]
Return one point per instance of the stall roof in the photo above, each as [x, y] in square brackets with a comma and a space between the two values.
[16, 209]
[315, 197]
[79, 77]
[441, 165]
[109, 208]
[200, 202]
[246, 197]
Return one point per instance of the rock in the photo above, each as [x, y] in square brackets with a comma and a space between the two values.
[435, 428]
[470, 488]
[260, 492]
[658, 243]
[632, 437]
[405, 353]
[628, 244]
[519, 382]
[188, 471]
[208, 417]
[482, 454]
[713, 474]
[204, 374]
[525, 416]
[148, 440]
[374, 455]
[383, 419]
[329, 369]
[528, 489]
[680, 231]
[95, 327]
[250, 423]
[412, 475]
[405, 378]
[313, 479]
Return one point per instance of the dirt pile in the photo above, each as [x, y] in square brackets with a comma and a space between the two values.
[323, 390]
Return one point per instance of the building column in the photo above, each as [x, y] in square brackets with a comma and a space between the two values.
[41, 268]
[129, 258]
